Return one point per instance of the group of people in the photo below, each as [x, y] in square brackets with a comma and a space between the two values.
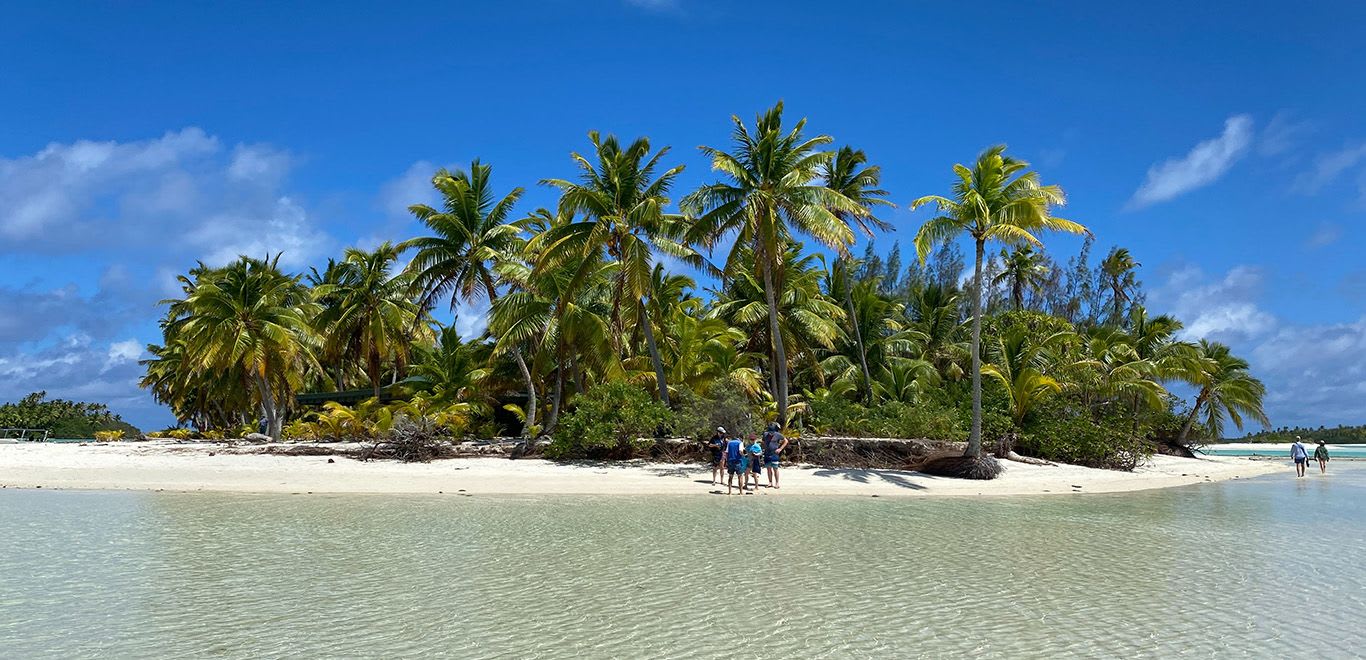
[744, 461]
[1300, 455]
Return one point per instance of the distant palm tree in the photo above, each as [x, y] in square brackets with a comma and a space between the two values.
[843, 175]
[998, 199]
[472, 236]
[1118, 270]
[368, 313]
[1227, 389]
[1024, 270]
[771, 191]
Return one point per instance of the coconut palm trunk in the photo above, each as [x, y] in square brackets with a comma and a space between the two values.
[1190, 419]
[975, 436]
[660, 378]
[269, 408]
[779, 353]
[530, 421]
[858, 341]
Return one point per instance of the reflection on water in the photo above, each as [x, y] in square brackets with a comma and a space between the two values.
[1262, 567]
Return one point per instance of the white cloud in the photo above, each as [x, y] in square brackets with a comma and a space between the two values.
[656, 5]
[1324, 235]
[1328, 167]
[1202, 166]
[176, 197]
[1282, 135]
[1314, 374]
[471, 320]
[414, 186]
[1221, 310]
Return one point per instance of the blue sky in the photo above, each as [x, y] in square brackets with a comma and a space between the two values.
[1223, 144]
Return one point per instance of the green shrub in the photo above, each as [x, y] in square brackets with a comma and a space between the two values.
[1076, 437]
[606, 422]
[929, 419]
[724, 404]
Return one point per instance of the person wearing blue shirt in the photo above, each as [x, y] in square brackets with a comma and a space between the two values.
[735, 466]
[755, 454]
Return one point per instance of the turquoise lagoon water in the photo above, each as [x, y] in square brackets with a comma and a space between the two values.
[1334, 451]
[1268, 567]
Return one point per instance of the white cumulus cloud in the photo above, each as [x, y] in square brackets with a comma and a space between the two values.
[1203, 165]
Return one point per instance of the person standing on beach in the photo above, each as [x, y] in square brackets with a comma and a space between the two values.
[717, 446]
[774, 444]
[756, 461]
[1321, 455]
[1299, 455]
[735, 455]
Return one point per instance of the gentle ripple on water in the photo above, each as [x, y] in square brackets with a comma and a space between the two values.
[1268, 567]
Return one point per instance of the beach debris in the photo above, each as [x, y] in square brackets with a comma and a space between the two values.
[331, 460]
[257, 438]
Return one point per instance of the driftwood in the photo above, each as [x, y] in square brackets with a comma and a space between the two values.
[964, 467]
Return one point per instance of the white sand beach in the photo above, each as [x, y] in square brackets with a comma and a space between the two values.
[209, 467]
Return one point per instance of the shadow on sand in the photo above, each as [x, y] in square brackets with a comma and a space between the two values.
[894, 477]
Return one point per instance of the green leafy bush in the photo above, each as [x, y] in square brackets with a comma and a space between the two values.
[929, 420]
[1109, 442]
[607, 421]
[725, 404]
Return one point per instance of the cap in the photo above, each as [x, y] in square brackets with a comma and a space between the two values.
[720, 429]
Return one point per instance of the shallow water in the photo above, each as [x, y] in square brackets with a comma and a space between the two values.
[1264, 567]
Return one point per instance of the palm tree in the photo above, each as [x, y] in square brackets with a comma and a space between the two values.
[808, 321]
[623, 203]
[368, 312]
[843, 175]
[998, 199]
[1023, 269]
[768, 195]
[1020, 364]
[472, 235]
[250, 315]
[1118, 270]
[1227, 389]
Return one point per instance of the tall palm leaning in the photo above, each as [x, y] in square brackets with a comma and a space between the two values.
[846, 174]
[997, 199]
[472, 235]
[623, 204]
[1024, 269]
[768, 193]
[1227, 389]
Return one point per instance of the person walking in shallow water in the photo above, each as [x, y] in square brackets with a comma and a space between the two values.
[1300, 455]
[1321, 455]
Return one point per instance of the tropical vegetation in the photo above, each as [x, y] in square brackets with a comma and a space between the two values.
[626, 310]
[62, 418]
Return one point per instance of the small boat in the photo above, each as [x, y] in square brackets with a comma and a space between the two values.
[16, 436]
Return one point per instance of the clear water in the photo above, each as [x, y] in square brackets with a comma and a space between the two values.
[1270, 567]
[1334, 451]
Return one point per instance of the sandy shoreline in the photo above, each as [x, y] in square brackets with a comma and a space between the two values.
[190, 467]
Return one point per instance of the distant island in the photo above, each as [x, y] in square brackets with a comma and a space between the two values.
[1338, 435]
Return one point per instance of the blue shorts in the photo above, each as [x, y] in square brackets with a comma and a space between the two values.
[1300, 460]
[734, 466]
[771, 460]
[755, 465]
